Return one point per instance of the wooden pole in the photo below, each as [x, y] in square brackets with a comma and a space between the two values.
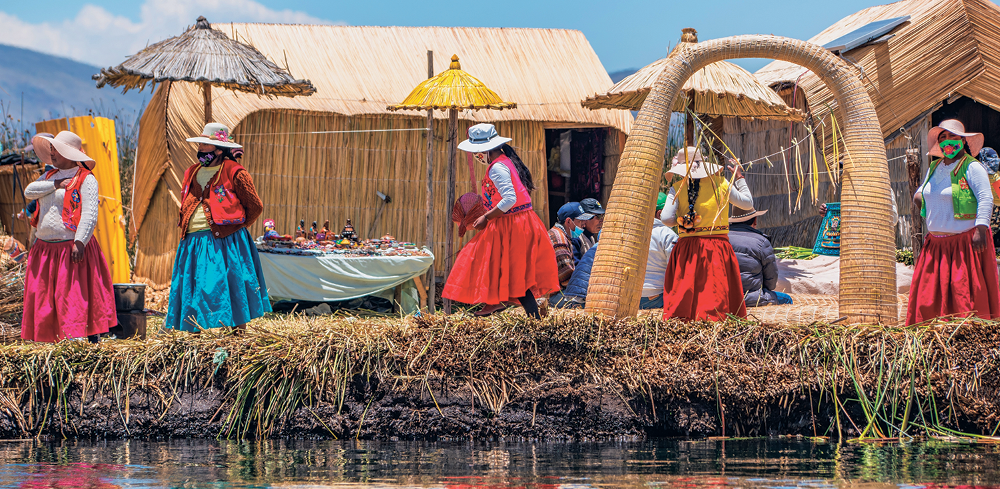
[206, 89]
[431, 283]
[449, 201]
[916, 222]
[689, 123]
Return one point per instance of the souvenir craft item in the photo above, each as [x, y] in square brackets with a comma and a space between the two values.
[828, 237]
[324, 234]
[269, 232]
[348, 231]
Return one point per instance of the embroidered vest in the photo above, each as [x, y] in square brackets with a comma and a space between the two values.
[72, 204]
[712, 205]
[224, 207]
[962, 199]
[491, 194]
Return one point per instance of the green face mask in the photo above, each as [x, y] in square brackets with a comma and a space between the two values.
[951, 147]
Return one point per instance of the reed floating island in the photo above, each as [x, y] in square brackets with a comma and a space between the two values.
[569, 376]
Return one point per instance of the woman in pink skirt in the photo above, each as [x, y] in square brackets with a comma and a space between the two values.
[67, 290]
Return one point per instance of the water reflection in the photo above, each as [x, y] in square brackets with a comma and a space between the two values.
[672, 463]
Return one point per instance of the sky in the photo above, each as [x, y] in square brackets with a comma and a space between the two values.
[624, 33]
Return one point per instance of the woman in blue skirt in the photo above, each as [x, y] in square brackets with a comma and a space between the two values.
[217, 279]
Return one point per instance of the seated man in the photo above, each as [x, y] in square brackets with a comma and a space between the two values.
[660, 245]
[575, 295]
[563, 236]
[591, 227]
[758, 266]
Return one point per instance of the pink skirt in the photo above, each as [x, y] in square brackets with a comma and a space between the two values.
[63, 299]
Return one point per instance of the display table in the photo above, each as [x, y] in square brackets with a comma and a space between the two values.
[330, 277]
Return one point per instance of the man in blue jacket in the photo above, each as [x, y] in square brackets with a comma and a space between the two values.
[574, 296]
[758, 265]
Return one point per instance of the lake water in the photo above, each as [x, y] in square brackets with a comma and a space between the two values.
[767, 463]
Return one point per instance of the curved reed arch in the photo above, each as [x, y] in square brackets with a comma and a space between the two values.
[867, 271]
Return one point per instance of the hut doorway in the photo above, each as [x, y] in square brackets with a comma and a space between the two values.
[975, 116]
[575, 166]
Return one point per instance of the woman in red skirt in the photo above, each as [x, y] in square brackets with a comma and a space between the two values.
[703, 277]
[512, 258]
[956, 273]
[67, 287]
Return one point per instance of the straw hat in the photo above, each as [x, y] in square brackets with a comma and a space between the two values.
[42, 151]
[215, 134]
[955, 127]
[482, 138]
[67, 144]
[699, 168]
[746, 216]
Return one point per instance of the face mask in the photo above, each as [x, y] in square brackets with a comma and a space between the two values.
[577, 232]
[206, 157]
[482, 158]
[951, 147]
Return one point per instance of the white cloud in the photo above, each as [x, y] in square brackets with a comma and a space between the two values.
[99, 37]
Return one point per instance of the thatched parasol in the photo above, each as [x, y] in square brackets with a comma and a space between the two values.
[452, 90]
[209, 57]
[720, 89]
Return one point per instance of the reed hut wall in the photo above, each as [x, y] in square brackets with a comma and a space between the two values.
[11, 198]
[358, 71]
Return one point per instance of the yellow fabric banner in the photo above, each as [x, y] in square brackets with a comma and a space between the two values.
[100, 143]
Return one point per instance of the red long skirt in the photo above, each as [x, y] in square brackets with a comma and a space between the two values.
[950, 278]
[703, 280]
[512, 255]
[63, 299]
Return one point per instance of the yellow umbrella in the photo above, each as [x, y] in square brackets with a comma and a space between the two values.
[452, 90]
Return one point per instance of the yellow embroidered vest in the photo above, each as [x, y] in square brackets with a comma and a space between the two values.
[712, 205]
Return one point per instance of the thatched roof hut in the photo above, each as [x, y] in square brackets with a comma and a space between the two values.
[324, 156]
[944, 62]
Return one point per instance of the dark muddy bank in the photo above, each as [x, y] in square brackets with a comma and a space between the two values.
[564, 378]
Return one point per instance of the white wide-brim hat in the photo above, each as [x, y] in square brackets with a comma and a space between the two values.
[67, 144]
[217, 135]
[482, 138]
[693, 164]
[975, 139]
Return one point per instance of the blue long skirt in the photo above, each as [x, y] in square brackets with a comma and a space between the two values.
[216, 282]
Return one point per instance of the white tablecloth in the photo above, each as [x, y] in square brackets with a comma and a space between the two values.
[324, 278]
[821, 275]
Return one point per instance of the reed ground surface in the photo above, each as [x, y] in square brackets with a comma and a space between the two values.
[568, 376]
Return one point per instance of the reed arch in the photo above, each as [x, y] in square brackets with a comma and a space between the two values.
[867, 271]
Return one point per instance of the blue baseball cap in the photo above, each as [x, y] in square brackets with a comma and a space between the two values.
[572, 210]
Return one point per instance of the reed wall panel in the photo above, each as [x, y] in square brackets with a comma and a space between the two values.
[302, 175]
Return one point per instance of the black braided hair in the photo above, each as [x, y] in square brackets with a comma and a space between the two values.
[693, 187]
[522, 171]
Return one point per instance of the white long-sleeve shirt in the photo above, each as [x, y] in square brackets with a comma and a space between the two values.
[661, 243]
[50, 205]
[739, 196]
[500, 175]
[936, 192]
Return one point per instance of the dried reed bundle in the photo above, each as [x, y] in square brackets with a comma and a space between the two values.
[868, 382]
[11, 292]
